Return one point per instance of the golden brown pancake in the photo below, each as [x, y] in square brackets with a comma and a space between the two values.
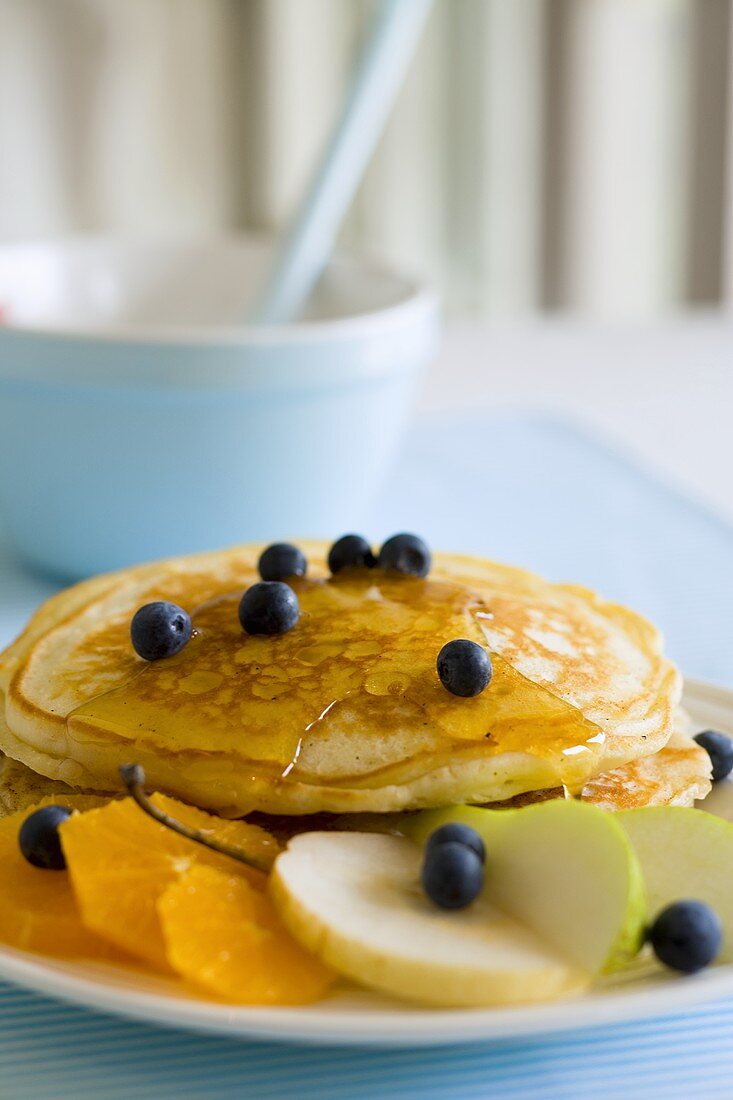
[20, 787]
[677, 775]
[344, 713]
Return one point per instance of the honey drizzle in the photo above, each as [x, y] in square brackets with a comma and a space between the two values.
[362, 658]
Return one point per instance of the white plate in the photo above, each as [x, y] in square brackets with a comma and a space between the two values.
[359, 1018]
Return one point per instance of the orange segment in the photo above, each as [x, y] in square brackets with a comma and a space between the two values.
[39, 910]
[226, 937]
[120, 861]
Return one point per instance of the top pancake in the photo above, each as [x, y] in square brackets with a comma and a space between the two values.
[345, 712]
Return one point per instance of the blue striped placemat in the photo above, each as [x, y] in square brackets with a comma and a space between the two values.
[53, 1052]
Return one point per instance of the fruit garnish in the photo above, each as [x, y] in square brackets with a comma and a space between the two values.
[405, 553]
[350, 552]
[686, 936]
[39, 911]
[226, 937]
[355, 901]
[564, 869]
[454, 831]
[38, 838]
[464, 668]
[719, 748]
[270, 607]
[280, 561]
[159, 629]
[121, 860]
[452, 875]
[133, 776]
[684, 853]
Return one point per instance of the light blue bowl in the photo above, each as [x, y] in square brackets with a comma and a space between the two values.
[138, 418]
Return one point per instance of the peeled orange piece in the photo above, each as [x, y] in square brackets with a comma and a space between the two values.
[39, 910]
[225, 936]
[120, 862]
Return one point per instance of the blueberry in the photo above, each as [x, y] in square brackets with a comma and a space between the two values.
[350, 552]
[686, 936]
[452, 875]
[464, 668]
[456, 833]
[269, 607]
[720, 750]
[405, 554]
[280, 561]
[159, 629]
[39, 838]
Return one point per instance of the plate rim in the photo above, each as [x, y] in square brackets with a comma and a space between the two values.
[398, 1027]
[333, 1024]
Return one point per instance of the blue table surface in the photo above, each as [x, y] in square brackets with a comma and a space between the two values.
[537, 492]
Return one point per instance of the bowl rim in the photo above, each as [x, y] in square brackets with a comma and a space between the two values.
[419, 303]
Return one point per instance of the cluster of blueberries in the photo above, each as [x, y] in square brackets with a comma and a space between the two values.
[453, 866]
[686, 935]
[270, 607]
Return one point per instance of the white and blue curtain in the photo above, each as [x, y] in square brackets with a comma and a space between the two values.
[543, 153]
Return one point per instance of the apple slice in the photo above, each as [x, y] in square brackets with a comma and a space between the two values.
[564, 869]
[355, 901]
[685, 853]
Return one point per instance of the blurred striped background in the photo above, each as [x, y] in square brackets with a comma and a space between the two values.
[544, 153]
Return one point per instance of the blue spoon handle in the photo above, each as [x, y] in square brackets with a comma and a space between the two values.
[309, 241]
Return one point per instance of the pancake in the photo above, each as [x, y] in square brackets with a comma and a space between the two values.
[20, 787]
[677, 775]
[344, 713]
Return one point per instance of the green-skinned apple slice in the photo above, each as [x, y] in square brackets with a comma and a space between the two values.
[355, 900]
[685, 853]
[564, 869]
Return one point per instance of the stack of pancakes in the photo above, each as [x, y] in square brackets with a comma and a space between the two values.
[345, 714]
